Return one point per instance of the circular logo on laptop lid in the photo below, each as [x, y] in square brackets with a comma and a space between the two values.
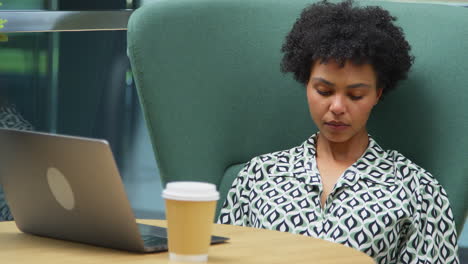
[60, 188]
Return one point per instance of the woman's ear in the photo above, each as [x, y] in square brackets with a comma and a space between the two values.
[379, 94]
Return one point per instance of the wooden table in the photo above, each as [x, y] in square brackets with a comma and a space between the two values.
[247, 245]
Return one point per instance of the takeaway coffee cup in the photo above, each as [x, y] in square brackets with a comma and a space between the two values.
[190, 209]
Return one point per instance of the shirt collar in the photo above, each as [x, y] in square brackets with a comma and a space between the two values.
[374, 165]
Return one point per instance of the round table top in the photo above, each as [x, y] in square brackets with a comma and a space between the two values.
[246, 245]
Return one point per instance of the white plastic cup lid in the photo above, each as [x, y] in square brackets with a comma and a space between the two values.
[190, 191]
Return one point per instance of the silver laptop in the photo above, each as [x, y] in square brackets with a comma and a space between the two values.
[69, 188]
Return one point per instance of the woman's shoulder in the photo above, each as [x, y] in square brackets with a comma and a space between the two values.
[410, 173]
[285, 162]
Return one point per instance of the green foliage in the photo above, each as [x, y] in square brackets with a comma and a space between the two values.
[2, 21]
[3, 38]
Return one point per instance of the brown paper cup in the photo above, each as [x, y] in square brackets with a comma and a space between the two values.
[190, 209]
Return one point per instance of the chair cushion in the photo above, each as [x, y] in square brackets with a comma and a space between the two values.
[208, 76]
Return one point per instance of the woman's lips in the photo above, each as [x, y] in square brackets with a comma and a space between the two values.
[338, 126]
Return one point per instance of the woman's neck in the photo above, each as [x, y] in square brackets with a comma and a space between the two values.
[342, 152]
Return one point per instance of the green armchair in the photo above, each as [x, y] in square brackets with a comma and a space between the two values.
[209, 81]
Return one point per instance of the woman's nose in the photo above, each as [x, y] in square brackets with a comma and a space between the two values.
[338, 106]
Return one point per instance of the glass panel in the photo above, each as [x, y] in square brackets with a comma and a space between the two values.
[80, 83]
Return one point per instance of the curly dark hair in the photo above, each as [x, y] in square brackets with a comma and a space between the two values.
[344, 32]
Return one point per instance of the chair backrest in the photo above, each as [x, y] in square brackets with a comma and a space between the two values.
[209, 81]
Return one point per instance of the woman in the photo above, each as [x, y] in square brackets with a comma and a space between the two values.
[340, 185]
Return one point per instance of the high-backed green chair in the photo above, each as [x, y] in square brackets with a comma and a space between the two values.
[209, 81]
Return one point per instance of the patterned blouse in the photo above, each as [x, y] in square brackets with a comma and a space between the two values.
[383, 205]
[10, 118]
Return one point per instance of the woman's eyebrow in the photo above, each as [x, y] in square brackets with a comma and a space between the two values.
[323, 81]
[354, 85]
[358, 85]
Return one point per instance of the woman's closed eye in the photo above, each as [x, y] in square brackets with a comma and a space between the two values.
[355, 97]
[323, 93]
[328, 93]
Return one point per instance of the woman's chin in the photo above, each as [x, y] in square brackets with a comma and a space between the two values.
[336, 137]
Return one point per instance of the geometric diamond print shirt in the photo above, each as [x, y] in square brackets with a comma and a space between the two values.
[383, 205]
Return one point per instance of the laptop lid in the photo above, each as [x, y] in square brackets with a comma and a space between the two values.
[66, 187]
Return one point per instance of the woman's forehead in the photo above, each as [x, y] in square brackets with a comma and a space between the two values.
[333, 71]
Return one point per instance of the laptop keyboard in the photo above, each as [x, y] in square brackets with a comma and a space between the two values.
[155, 236]
[152, 241]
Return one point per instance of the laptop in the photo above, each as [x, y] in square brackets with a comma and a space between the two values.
[69, 188]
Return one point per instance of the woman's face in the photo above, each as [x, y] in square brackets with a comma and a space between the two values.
[341, 98]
